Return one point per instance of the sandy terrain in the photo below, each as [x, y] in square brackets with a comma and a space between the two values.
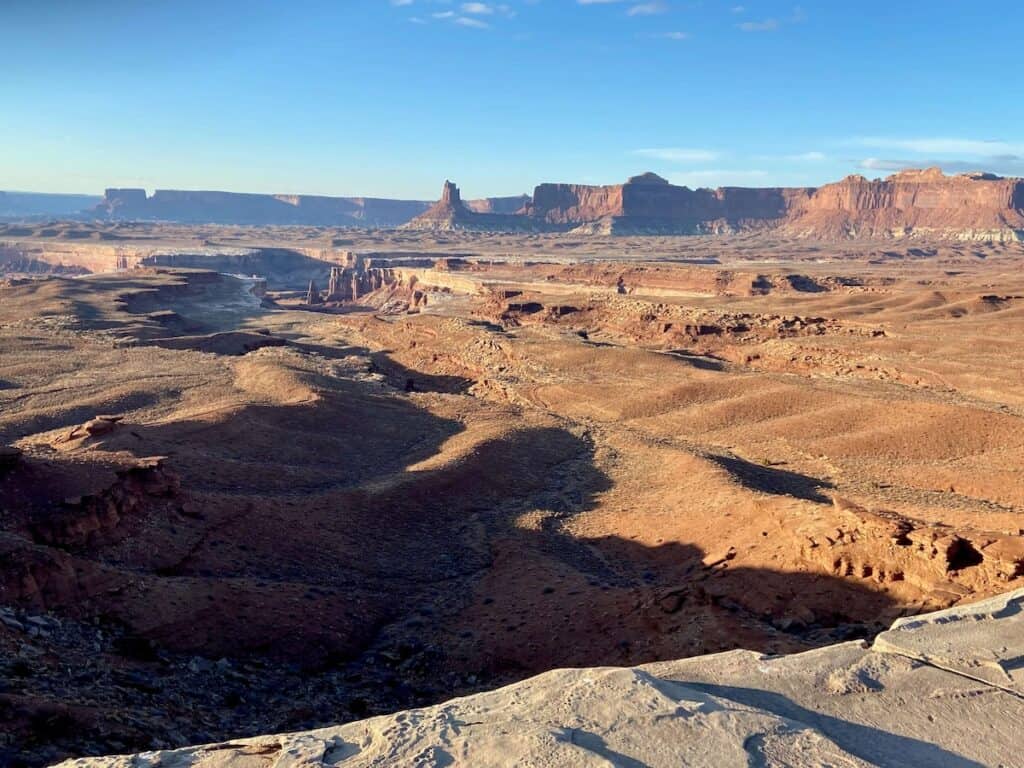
[236, 515]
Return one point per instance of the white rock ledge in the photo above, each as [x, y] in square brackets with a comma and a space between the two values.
[944, 689]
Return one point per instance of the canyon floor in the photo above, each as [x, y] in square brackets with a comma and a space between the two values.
[226, 512]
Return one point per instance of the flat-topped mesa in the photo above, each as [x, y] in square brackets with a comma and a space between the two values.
[209, 206]
[922, 202]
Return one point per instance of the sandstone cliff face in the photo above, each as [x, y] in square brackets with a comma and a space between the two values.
[969, 206]
[575, 203]
[649, 203]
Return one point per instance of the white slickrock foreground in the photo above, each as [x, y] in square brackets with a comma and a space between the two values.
[944, 689]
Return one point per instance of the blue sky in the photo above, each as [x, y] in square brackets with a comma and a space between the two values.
[390, 97]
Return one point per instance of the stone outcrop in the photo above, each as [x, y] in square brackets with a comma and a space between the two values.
[937, 689]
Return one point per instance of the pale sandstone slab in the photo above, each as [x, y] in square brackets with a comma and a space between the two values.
[847, 705]
[983, 640]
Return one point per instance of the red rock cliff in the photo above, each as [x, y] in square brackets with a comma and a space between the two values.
[649, 201]
[922, 202]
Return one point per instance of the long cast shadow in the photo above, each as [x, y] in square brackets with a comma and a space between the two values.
[872, 744]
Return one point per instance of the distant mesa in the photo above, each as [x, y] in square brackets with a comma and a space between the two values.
[911, 203]
[209, 207]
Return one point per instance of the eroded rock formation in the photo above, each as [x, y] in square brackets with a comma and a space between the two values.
[357, 276]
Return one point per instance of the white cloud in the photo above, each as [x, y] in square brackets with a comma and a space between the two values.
[401, 2]
[481, 9]
[678, 154]
[810, 157]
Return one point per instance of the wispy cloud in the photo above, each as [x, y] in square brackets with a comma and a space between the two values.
[1005, 165]
[940, 145]
[647, 9]
[470, 14]
[467, 21]
[797, 16]
[768, 25]
[808, 157]
[950, 153]
[678, 154]
[675, 35]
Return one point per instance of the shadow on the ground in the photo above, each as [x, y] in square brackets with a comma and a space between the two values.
[875, 745]
[780, 482]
